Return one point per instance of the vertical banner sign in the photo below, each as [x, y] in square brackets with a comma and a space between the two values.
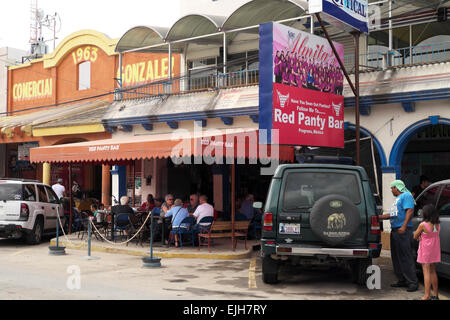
[301, 87]
[348, 15]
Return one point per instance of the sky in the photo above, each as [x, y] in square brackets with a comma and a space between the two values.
[111, 17]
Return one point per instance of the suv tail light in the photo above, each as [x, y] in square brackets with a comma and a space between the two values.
[268, 222]
[375, 225]
[24, 212]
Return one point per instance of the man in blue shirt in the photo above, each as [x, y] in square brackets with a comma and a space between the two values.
[400, 216]
[178, 213]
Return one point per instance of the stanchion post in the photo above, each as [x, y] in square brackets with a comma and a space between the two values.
[89, 257]
[57, 251]
[150, 262]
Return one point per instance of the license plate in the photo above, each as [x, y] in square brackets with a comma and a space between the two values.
[289, 228]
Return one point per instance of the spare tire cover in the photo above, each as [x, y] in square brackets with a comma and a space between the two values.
[334, 219]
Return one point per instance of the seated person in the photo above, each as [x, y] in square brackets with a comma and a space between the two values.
[124, 211]
[178, 213]
[148, 205]
[247, 207]
[203, 210]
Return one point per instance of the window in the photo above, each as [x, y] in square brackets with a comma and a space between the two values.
[84, 75]
[42, 193]
[428, 197]
[51, 195]
[29, 192]
[10, 192]
[443, 205]
[303, 189]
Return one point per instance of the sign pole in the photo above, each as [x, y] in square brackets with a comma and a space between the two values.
[356, 36]
[355, 88]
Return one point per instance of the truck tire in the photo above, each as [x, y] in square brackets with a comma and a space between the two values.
[269, 270]
[35, 236]
[359, 271]
[334, 219]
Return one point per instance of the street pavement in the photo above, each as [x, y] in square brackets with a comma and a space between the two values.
[29, 272]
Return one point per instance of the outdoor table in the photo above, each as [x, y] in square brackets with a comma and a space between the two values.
[163, 228]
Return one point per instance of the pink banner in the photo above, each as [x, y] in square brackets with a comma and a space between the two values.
[308, 105]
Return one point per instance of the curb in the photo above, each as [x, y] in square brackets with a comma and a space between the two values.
[216, 256]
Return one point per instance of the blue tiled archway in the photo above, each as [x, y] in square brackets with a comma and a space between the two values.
[395, 159]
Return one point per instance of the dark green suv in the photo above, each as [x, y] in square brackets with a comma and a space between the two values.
[320, 214]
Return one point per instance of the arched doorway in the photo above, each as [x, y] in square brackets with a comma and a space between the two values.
[427, 152]
[422, 148]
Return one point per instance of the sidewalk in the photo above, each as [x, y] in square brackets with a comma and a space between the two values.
[221, 249]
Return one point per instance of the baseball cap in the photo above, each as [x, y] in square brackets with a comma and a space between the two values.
[60, 180]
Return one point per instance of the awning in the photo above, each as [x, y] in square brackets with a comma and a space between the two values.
[234, 143]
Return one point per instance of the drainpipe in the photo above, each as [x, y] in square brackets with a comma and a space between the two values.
[224, 57]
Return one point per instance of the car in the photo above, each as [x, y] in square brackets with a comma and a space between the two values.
[28, 209]
[437, 194]
[320, 215]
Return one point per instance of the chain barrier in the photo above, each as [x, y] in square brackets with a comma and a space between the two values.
[121, 243]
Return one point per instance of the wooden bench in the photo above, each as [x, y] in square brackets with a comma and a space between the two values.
[223, 229]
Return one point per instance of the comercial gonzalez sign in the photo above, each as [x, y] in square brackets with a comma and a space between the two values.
[301, 87]
[348, 15]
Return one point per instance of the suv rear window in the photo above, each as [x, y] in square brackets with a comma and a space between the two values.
[17, 192]
[304, 188]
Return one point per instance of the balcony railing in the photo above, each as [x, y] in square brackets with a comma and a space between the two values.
[187, 84]
[423, 54]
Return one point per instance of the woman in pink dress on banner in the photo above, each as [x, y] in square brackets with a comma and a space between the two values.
[429, 252]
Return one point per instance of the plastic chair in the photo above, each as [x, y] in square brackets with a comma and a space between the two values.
[186, 227]
[122, 223]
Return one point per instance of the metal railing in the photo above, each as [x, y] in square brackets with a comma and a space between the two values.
[423, 54]
[187, 84]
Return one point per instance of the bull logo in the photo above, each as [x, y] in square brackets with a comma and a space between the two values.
[336, 221]
[337, 108]
[283, 98]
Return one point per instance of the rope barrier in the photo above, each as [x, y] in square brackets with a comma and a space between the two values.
[68, 240]
[125, 242]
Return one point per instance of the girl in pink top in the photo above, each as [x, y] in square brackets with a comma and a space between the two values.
[429, 252]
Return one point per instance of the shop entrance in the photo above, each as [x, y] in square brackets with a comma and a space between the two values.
[427, 153]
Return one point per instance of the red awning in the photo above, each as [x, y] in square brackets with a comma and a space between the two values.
[238, 144]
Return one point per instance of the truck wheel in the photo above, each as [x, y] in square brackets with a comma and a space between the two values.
[359, 271]
[35, 236]
[269, 270]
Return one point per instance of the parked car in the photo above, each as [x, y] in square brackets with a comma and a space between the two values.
[28, 209]
[437, 194]
[320, 214]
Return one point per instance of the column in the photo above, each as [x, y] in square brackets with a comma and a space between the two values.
[106, 185]
[46, 173]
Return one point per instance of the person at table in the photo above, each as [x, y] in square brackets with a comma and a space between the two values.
[203, 210]
[122, 209]
[178, 213]
[148, 205]
[247, 207]
[168, 203]
[193, 203]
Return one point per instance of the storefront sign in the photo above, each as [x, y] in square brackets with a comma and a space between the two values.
[146, 71]
[33, 89]
[301, 87]
[346, 14]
